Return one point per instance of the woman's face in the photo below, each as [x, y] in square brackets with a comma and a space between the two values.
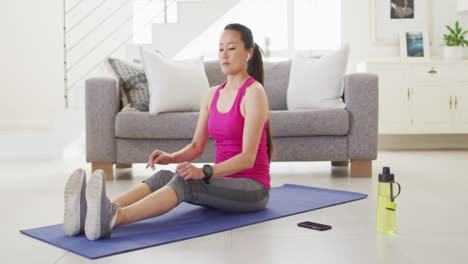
[232, 53]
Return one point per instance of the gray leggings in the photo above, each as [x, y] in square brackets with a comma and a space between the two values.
[227, 194]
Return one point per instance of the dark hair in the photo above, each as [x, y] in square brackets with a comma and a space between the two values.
[254, 68]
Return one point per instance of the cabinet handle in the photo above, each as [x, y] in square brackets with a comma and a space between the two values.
[432, 71]
[408, 93]
[455, 102]
[450, 102]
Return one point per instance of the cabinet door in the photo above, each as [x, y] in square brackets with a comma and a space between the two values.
[460, 106]
[431, 108]
[394, 109]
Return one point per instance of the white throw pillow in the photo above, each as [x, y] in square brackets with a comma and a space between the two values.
[174, 86]
[316, 83]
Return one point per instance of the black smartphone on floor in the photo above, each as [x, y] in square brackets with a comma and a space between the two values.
[315, 226]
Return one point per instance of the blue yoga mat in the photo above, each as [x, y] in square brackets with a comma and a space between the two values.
[189, 221]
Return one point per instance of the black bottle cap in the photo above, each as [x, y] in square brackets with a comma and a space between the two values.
[386, 176]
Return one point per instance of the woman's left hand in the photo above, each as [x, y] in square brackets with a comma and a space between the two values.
[189, 172]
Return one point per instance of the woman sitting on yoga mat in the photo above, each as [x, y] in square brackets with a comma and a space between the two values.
[235, 114]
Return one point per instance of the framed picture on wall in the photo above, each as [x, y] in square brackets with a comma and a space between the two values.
[414, 44]
[389, 17]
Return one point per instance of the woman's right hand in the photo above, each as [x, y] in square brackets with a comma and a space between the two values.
[159, 157]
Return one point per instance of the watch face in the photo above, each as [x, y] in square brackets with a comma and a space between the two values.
[208, 170]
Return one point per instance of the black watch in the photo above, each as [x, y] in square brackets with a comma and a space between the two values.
[208, 171]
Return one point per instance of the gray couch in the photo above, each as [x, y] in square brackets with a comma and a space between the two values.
[341, 136]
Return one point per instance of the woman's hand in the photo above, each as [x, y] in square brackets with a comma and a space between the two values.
[159, 157]
[189, 172]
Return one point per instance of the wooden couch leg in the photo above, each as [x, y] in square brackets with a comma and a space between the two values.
[340, 163]
[361, 168]
[123, 165]
[106, 167]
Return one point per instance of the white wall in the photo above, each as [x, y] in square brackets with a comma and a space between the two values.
[356, 29]
[34, 123]
[31, 64]
[444, 13]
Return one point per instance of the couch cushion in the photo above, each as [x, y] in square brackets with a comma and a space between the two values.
[133, 84]
[214, 73]
[143, 125]
[276, 80]
[174, 86]
[317, 83]
[333, 122]
[276, 83]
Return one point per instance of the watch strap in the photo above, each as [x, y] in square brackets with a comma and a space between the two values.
[208, 172]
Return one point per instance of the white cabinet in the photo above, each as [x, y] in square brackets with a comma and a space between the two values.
[394, 107]
[430, 108]
[421, 97]
[460, 105]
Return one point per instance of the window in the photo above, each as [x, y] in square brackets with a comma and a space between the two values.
[147, 12]
[316, 25]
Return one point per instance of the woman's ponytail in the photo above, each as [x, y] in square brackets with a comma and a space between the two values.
[255, 67]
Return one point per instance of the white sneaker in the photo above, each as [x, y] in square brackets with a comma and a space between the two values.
[75, 204]
[100, 209]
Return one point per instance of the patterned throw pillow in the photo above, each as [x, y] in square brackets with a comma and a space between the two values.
[133, 82]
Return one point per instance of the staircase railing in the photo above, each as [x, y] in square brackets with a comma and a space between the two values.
[67, 29]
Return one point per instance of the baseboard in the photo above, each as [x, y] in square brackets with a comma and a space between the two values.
[25, 125]
[439, 141]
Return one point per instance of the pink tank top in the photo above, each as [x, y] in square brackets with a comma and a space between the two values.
[227, 131]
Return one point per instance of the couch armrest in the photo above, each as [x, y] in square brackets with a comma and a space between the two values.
[102, 104]
[362, 102]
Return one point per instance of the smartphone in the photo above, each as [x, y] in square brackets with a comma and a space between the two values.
[315, 226]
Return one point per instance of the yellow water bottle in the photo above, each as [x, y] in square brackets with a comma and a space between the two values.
[386, 206]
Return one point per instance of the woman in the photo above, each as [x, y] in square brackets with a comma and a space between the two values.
[235, 114]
